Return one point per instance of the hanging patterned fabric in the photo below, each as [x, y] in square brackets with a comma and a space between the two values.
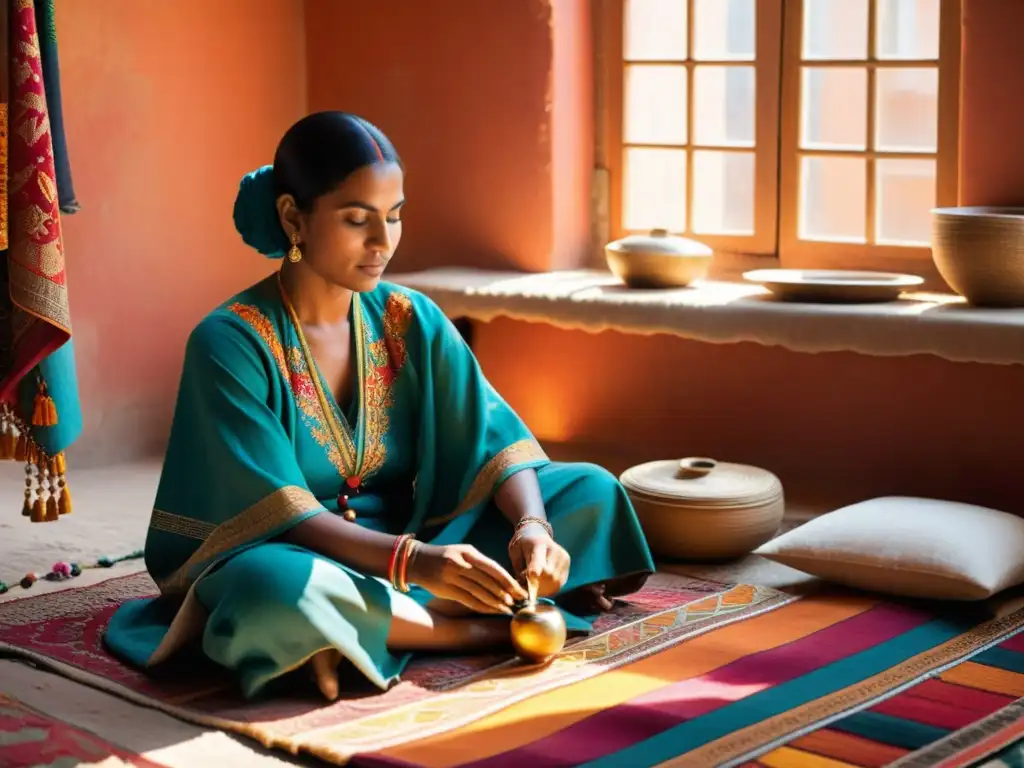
[39, 408]
[46, 29]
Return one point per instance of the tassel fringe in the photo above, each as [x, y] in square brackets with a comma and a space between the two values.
[44, 411]
[38, 510]
[47, 496]
[64, 502]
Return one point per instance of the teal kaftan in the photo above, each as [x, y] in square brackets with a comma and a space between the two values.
[251, 455]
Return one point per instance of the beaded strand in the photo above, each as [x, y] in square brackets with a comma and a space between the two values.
[63, 570]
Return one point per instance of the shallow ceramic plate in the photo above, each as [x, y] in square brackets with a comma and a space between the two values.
[833, 285]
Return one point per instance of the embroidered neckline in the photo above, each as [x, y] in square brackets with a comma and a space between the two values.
[349, 444]
[383, 359]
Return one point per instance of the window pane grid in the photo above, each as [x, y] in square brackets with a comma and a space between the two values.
[865, 63]
[867, 155]
[849, 146]
[712, 154]
[742, 150]
[690, 77]
[871, 187]
[691, 63]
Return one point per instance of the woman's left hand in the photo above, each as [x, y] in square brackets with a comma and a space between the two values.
[537, 557]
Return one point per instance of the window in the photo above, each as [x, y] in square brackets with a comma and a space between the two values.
[820, 131]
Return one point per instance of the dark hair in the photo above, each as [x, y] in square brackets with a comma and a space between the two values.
[320, 151]
[314, 156]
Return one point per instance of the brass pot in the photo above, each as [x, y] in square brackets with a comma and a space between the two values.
[538, 632]
[658, 260]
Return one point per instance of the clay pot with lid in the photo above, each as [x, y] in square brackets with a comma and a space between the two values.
[658, 260]
[699, 509]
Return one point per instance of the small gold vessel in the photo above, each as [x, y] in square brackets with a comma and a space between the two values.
[538, 632]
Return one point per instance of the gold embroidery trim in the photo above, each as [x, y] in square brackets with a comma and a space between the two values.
[187, 623]
[306, 398]
[296, 374]
[264, 516]
[520, 452]
[168, 522]
[397, 319]
[379, 365]
[265, 330]
[365, 455]
[38, 296]
[385, 358]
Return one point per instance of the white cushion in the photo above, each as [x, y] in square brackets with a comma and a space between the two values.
[908, 546]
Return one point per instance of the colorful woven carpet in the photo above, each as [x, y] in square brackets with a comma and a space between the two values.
[29, 738]
[686, 673]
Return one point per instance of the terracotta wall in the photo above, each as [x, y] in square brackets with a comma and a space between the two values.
[467, 91]
[167, 104]
[460, 90]
[992, 86]
[834, 426]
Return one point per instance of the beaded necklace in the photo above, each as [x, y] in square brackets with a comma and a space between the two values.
[339, 431]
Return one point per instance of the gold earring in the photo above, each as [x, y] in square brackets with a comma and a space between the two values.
[294, 254]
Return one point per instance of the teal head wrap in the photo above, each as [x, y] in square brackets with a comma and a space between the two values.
[256, 214]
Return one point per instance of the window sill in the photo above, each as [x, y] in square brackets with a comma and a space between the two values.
[727, 312]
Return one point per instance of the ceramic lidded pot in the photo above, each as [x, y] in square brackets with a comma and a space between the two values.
[704, 510]
[658, 260]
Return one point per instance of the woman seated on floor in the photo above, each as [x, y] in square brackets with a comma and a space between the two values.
[341, 480]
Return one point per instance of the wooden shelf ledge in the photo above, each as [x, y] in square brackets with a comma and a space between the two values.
[728, 312]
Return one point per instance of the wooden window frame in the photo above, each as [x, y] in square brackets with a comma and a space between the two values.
[777, 157]
[612, 147]
[811, 254]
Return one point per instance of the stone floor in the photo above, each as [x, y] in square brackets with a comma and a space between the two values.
[111, 514]
[110, 517]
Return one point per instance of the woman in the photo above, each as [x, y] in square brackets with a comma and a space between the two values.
[341, 481]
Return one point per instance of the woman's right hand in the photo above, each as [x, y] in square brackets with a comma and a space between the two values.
[461, 573]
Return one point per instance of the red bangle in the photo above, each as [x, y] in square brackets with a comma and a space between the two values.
[403, 567]
[393, 560]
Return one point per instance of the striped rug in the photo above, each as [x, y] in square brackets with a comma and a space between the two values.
[823, 682]
[686, 673]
